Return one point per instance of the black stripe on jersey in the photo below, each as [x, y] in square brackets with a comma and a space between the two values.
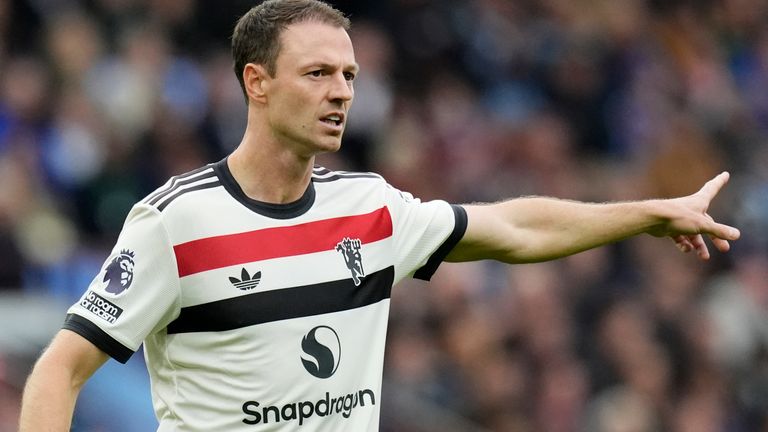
[174, 180]
[165, 203]
[426, 272]
[339, 176]
[282, 304]
[98, 337]
[178, 185]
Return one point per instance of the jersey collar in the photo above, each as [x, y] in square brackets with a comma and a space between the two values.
[275, 211]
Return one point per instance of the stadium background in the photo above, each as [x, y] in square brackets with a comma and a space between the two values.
[472, 100]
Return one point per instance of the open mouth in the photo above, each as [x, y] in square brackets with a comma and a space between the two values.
[333, 119]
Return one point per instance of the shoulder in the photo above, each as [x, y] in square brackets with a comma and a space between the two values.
[198, 179]
[324, 175]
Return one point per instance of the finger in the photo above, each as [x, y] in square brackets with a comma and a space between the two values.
[683, 243]
[722, 231]
[701, 248]
[712, 187]
[721, 244]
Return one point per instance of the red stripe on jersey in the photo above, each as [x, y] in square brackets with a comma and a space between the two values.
[222, 251]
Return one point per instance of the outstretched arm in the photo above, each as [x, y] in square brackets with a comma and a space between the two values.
[537, 229]
[52, 388]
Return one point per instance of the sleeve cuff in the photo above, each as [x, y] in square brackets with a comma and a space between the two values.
[459, 228]
[98, 337]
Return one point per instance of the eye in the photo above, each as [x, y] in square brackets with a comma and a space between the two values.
[316, 73]
[349, 76]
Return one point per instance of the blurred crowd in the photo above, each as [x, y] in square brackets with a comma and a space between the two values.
[464, 100]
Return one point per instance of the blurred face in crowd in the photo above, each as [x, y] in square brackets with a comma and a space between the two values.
[308, 98]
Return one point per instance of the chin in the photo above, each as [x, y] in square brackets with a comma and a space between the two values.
[329, 150]
[311, 147]
[329, 146]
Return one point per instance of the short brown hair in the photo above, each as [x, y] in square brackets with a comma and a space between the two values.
[256, 38]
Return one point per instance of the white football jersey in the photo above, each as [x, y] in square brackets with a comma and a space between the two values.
[257, 316]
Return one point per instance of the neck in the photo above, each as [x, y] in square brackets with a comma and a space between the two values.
[268, 172]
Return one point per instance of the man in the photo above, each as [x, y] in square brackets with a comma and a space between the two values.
[260, 284]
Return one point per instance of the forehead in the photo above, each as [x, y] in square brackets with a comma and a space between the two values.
[309, 42]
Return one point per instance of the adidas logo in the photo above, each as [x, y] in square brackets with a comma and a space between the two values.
[246, 281]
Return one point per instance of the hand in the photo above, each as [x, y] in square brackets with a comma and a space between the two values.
[688, 221]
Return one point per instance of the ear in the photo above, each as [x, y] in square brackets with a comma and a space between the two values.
[254, 78]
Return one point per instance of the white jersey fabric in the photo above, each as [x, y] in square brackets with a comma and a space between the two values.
[263, 317]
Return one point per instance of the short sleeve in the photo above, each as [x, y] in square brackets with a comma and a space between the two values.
[136, 292]
[424, 232]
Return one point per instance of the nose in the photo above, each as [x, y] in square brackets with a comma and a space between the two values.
[341, 89]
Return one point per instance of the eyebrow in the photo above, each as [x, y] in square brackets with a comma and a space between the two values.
[354, 67]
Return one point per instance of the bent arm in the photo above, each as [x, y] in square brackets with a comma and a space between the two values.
[537, 229]
[52, 388]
